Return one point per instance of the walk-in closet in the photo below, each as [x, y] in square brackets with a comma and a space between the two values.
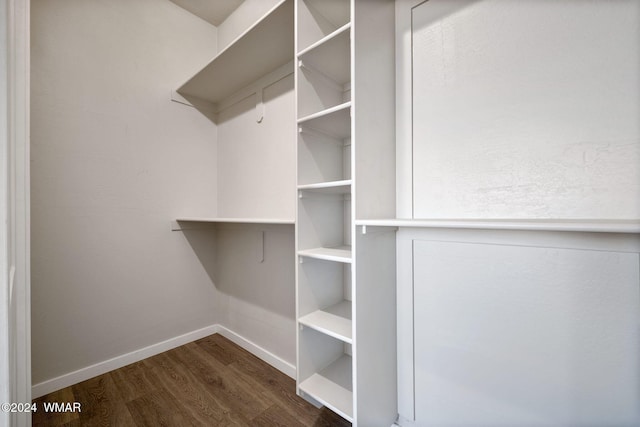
[388, 212]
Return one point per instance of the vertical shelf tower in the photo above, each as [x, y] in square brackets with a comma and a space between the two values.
[345, 93]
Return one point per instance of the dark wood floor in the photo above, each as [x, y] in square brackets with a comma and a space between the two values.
[210, 382]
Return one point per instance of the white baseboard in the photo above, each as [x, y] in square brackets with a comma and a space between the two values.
[117, 362]
[261, 353]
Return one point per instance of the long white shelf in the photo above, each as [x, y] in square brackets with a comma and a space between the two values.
[334, 321]
[264, 47]
[338, 254]
[332, 387]
[598, 226]
[334, 187]
[176, 224]
[334, 121]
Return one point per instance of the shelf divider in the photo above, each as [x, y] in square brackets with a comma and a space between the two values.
[333, 187]
[334, 321]
[337, 254]
[336, 33]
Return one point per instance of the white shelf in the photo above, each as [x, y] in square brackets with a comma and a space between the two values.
[325, 40]
[331, 187]
[330, 56]
[332, 387]
[597, 226]
[265, 46]
[338, 254]
[334, 321]
[238, 220]
[334, 121]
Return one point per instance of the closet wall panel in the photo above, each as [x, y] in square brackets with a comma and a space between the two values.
[526, 110]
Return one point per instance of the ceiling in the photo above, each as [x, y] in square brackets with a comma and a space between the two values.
[212, 11]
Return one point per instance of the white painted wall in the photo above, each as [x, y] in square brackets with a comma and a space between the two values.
[241, 19]
[526, 109]
[256, 161]
[256, 281]
[113, 160]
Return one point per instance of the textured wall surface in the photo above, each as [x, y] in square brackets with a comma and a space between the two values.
[525, 336]
[526, 109]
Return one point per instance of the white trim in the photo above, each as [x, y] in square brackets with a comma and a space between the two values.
[280, 364]
[117, 362]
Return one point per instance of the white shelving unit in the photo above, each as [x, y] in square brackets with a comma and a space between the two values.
[345, 282]
[324, 223]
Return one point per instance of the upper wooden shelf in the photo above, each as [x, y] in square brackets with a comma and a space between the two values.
[267, 45]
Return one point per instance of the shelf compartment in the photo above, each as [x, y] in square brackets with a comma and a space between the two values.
[324, 226]
[322, 160]
[265, 46]
[330, 56]
[337, 254]
[324, 77]
[332, 387]
[334, 122]
[319, 18]
[331, 187]
[334, 321]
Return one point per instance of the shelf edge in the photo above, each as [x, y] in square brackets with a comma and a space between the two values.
[326, 112]
[591, 226]
[325, 39]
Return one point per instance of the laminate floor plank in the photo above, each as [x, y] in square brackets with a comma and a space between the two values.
[209, 382]
[101, 403]
[42, 418]
[194, 398]
[210, 344]
[276, 416]
[280, 387]
[135, 380]
[160, 409]
[235, 390]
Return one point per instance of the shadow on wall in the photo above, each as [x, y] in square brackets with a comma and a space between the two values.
[250, 262]
[270, 92]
